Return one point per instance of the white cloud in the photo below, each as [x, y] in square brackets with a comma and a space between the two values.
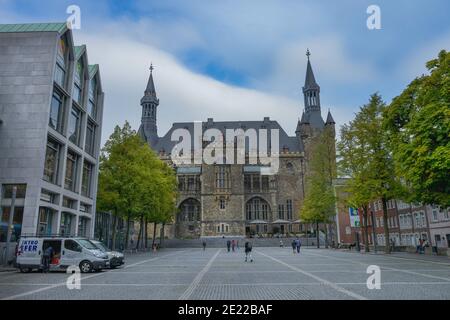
[329, 60]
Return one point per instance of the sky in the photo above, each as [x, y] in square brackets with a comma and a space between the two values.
[245, 60]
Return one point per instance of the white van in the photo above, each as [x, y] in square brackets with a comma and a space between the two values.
[66, 252]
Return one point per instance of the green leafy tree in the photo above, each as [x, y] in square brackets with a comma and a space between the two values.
[418, 123]
[352, 163]
[318, 205]
[134, 183]
[116, 176]
[367, 159]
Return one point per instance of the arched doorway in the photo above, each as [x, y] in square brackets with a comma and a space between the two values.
[188, 219]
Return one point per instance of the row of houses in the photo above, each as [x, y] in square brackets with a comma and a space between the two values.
[407, 223]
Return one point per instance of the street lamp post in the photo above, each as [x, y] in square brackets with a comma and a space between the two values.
[10, 223]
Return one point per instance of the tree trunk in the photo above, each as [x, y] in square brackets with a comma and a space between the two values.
[146, 233]
[154, 234]
[366, 229]
[387, 246]
[127, 232]
[317, 234]
[141, 226]
[162, 235]
[326, 235]
[114, 231]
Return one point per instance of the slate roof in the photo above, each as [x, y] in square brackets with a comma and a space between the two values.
[93, 68]
[292, 143]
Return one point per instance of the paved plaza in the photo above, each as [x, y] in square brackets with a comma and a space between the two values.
[276, 273]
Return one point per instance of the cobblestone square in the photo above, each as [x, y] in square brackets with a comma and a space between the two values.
[276, 273]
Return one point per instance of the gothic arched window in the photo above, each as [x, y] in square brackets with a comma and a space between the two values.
[189, 210]
[257, 209]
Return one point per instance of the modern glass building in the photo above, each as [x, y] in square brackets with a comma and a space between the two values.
[51, 107]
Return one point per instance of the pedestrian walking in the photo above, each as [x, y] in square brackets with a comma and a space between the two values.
[281, 244]
[248, 252]
[298, 244]
[47, 257]
[204, 245]
[233, 245]
[228, 245]
[419, 246]
[294, 245]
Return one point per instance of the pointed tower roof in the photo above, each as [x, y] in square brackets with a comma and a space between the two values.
[150, 90]
[310, 80]
[330, 119]
[304, 118]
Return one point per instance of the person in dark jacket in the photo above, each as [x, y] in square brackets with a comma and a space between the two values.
[228, 245]
[47, 257]
[298, 244]
[294, 245]
[248, 252]
[204, 245]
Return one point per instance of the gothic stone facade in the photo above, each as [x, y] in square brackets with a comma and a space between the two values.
[236, 199]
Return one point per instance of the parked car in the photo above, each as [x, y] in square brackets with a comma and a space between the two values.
[116, 258]
[67, 252]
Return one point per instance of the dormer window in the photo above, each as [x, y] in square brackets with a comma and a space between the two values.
[78, 83]
[92, 107]
[61, 63]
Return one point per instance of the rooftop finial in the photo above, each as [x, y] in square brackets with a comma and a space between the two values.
[151, 67]
[308, 53]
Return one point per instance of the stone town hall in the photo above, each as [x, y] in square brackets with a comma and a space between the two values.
[236, 199]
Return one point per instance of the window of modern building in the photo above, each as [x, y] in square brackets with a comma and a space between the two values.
[92, 107]
[83, 226]
[71, 171]
[7, 191]
[16, 226]
[74, 125]
[77, 92]
[56, 112]
[51, 164]
[48, 196]
[65, 228]
[85, 208]
[87, 177]
[45, 221]
[69, 203]
[89, 146]
[61, 63]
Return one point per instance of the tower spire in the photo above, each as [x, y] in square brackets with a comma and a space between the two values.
[311, 93]
[149, 103]
[150, 90]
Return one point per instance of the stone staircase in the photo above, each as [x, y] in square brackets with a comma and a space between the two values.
[218, 242]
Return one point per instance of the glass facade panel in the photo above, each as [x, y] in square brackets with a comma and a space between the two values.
[51, 162]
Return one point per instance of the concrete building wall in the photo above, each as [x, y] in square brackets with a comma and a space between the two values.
[27, 68]
[26, 76]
